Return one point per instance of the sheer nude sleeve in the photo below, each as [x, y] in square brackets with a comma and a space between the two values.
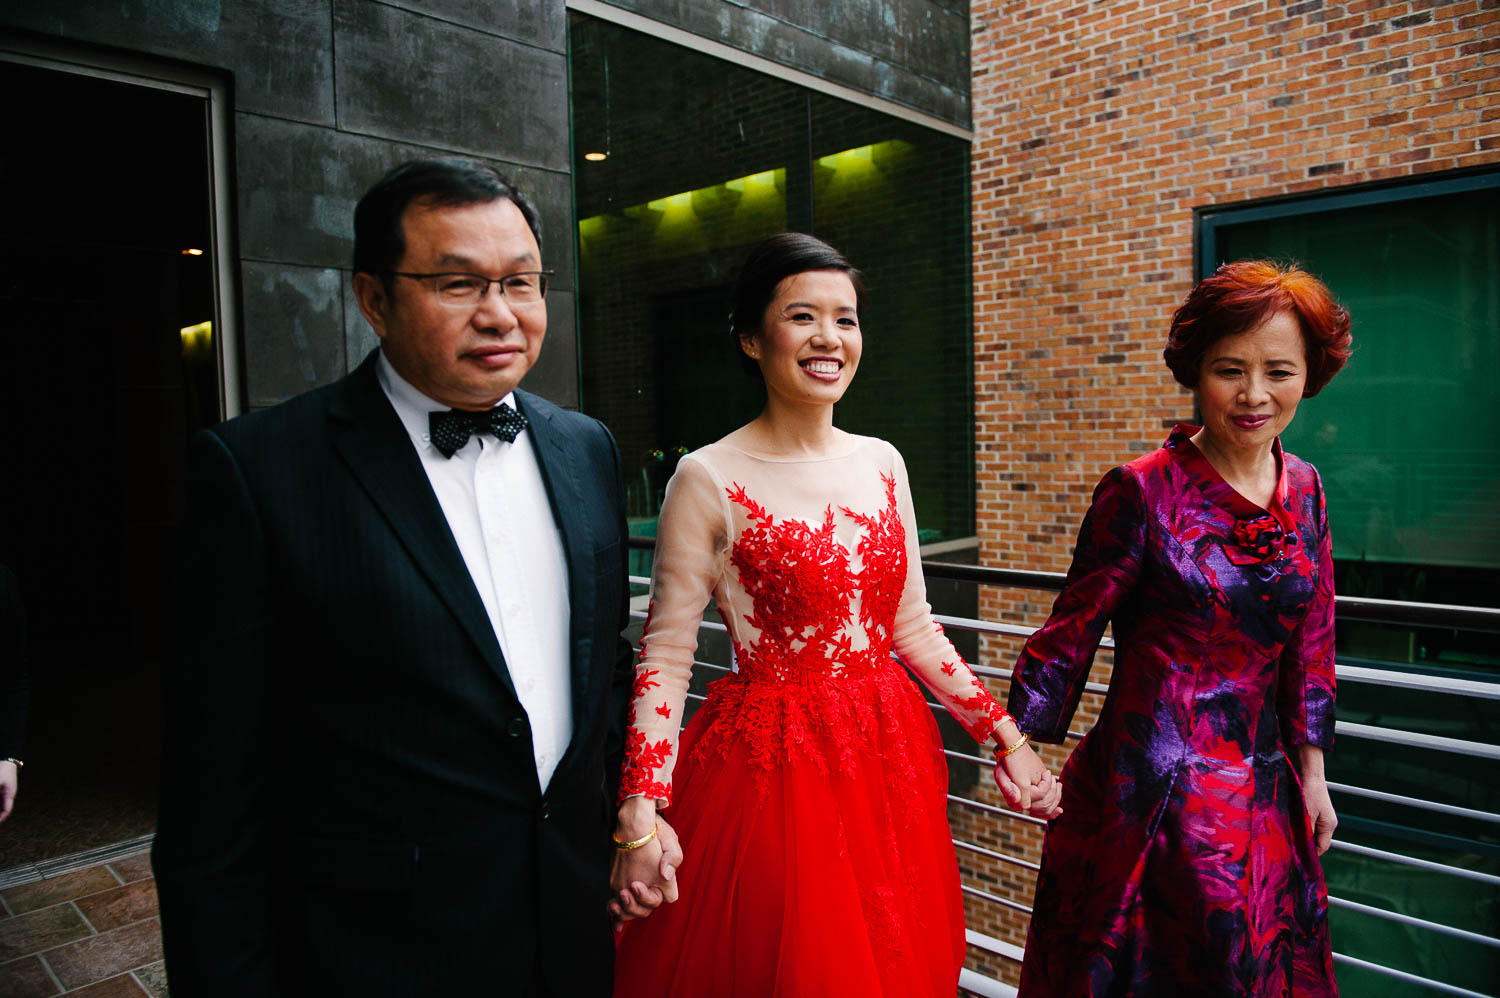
[921, 644]
[691, 540]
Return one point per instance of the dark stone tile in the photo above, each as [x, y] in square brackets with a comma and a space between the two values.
[281, 54]
[542, 24]
[39, 930]
[907, 51]
[555, 374]
[106, 955]
[123, 986]
[297, 188]
[359, 338]
[298, 185]
[55, 890]
[121, 906]
[293, 333]
[552, 193]
[411, 78]
[153, 978]
[132, 868]
[26, 978]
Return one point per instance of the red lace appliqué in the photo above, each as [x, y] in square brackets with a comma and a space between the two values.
[642, 760]
[985, 711]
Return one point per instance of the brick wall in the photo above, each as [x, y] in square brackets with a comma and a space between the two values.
[1098, 129]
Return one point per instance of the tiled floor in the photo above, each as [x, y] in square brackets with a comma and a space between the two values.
[90, 933]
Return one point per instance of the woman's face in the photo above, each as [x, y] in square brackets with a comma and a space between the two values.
[1249, 384]
[809, 343]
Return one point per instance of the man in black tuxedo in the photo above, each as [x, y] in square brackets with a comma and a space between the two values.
[395, 728]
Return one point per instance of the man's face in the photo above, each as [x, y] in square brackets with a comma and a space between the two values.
[469, 357]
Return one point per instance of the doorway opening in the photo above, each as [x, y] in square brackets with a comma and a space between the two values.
[111, 317]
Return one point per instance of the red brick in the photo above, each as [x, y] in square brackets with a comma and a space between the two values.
[1086, 241]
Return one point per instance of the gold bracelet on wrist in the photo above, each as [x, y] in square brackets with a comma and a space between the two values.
[627, 846]
[1016, 747]
[11, 758]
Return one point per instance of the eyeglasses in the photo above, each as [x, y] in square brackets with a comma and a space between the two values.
[467, 290]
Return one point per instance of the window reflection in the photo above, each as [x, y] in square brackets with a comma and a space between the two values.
[702, 159]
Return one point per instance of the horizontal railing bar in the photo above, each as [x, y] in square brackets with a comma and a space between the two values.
[1345, 673]
[971, 983]
[990, 627]
[1469, 618]
[1005, 674]
[1421, 923]
[1444, 615]
[1424, 864]
[1427, 805]
[1417, 739]
[1013, 860]
[975, 805]
[1417, 681]
[1401, 975]
[988, 575]
[995, 899]
[990, 944]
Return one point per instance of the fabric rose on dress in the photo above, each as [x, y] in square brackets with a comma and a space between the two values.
[1261, 540]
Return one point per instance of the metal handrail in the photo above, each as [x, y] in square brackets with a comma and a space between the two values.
[1445, 615]
[1416, 614]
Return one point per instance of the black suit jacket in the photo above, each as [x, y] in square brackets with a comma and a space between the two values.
[350, 802]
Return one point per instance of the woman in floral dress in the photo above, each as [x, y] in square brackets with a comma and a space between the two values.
[808, 792]
[1186, 859]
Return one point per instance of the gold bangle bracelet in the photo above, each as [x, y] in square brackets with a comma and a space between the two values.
[627, 846]
[1002, 753]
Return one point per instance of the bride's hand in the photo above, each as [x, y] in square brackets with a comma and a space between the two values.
[644, 878]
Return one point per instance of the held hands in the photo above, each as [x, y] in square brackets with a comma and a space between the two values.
[1025, 780]
[645, 877]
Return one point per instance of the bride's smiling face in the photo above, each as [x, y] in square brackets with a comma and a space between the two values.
[809, 342]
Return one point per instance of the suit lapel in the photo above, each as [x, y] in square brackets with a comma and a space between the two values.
[369, 437]
[557, 453]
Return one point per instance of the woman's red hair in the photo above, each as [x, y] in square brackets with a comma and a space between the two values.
[1240, 296]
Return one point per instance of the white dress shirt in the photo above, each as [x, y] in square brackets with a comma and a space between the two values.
[495, 502]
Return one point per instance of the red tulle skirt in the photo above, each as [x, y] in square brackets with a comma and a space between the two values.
[817, 855]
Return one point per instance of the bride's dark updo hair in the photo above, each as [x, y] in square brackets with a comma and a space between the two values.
[773, 261]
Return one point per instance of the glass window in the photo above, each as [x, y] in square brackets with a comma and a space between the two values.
[682, 163]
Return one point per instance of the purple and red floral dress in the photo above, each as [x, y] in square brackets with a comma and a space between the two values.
[1184, 862]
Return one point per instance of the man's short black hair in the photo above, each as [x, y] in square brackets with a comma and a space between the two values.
[447, 181]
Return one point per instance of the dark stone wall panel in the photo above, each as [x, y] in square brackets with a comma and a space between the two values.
[298, 185]
[911, 52]
[555, 376]
[408, 77]
[359, 337]
[294, 330]
[544, 24]
[281, 53]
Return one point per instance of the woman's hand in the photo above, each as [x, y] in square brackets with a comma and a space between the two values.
[1025, 780]
[10, 782]
[1315, 797]
[644, 878]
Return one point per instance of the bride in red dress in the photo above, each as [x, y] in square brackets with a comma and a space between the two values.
[809, 791]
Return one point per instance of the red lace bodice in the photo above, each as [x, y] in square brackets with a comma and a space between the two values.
[810, 602]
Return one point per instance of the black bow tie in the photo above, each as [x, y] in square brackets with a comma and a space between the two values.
[451, 430]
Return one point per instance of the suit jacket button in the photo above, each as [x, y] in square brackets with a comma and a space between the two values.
[516, 728]
[546, 810]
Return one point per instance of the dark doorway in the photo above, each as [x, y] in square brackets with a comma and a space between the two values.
[105, 369]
